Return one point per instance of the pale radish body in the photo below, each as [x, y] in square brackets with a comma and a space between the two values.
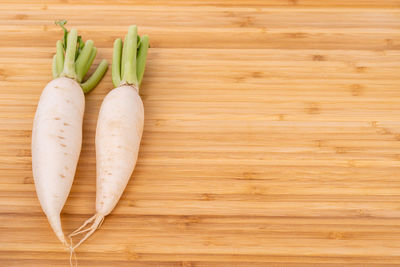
[118, 134]
[119, 129]
[57, 126]
[56, 145]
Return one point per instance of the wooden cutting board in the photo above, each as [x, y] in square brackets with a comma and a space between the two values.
[272, 134]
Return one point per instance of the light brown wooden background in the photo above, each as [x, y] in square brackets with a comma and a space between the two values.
[272, 134]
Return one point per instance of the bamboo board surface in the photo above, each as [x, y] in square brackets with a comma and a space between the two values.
[272, 134]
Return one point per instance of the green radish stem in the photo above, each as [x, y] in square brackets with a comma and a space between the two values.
[83, 57]
[54, 67]
[129, 59]
[123, 59]
[129, 74]
[116, 64]
[60, 57]
[89, 62]
[77, 59]
[69, 60]
[141, 57]
[96, 76]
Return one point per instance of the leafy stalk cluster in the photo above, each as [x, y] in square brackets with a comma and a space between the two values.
[74, 58]
[129, 59]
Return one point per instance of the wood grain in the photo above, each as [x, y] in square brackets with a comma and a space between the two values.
[272, 134]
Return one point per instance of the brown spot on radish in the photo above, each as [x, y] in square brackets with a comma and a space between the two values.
[63, 145]
[68, 101]
[119, 146]
[62, 175]
[66, 167]
[65, 153]
[102, 202]
[109, 173]
[56, 118]
[66, 124]
[60, 137]
[61, 130]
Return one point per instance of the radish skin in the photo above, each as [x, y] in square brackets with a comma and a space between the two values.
[56, 145]
[57, 126]
[119, 129]
[118, 134]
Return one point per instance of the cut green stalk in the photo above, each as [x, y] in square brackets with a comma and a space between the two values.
[129, 64]
[77, 60]
[116, 63]
[129, 74]
[80, 64]
[54, 67]
[89, 62]
[69, 61]
[96, 77]
[141, 57]
[60, 57]
[123, 58]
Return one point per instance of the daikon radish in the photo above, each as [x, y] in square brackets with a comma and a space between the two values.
[57, 126]
[119, 128]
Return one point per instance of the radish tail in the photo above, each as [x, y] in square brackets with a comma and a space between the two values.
[55, 223]
[97, 221]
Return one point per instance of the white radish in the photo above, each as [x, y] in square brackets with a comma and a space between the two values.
[56, 145]
[119, 128]
[57, 127]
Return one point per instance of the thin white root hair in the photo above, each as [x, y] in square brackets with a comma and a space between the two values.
[98, 220]
[73, 261]
[82, 226]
